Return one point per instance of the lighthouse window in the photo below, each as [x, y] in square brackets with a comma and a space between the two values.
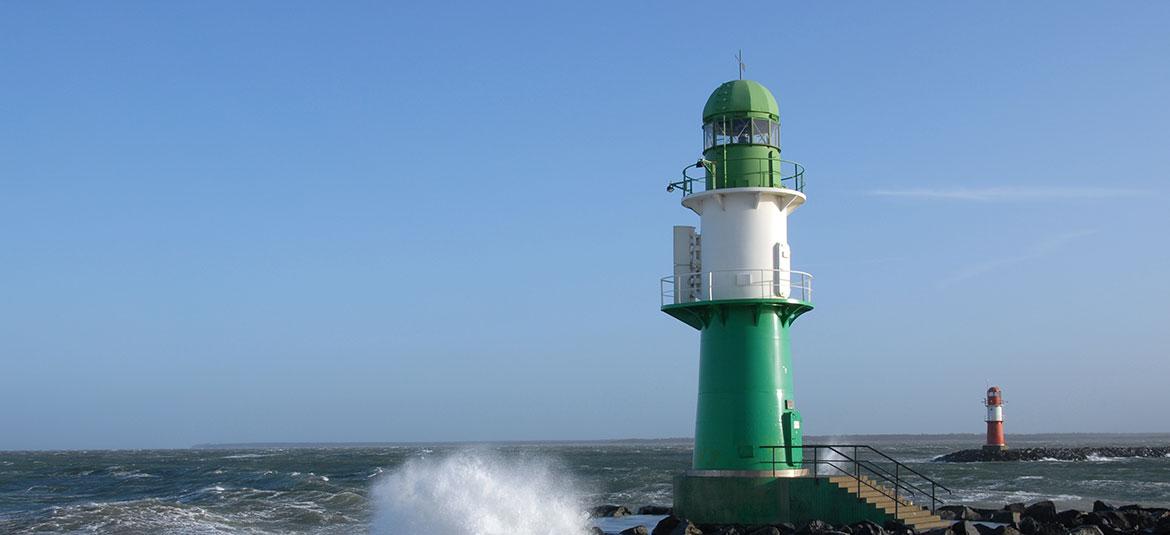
[741, 130]
[722, 135]
[748, 131]
[760, 131]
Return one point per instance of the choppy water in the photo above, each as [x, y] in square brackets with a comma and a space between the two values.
[463, 490]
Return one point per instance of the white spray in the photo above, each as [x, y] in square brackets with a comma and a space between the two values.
[476, 493]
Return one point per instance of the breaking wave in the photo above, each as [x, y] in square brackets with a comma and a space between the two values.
[476, 493]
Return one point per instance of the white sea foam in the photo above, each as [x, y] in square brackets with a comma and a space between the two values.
[1097, 458]
[120, 473]
[477, 493]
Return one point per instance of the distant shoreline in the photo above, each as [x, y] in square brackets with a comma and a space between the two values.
[811, 439]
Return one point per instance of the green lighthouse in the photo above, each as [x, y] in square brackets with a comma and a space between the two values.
[733, 282]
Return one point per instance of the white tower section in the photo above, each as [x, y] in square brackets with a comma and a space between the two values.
[745, 252]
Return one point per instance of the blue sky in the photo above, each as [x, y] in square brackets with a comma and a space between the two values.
[289, 221]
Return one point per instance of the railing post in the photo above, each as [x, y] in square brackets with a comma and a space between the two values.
[815, 448]
[897, 483]
[856, 470]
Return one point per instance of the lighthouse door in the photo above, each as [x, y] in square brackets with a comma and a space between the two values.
[781, 284]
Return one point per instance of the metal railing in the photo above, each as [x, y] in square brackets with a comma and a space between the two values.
[902, 479]
[771, 172]
[736, 284]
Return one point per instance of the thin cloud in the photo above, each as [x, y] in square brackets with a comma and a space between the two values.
[1040, 250]
[1006, 194]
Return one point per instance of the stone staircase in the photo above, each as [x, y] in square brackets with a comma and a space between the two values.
[878, 495]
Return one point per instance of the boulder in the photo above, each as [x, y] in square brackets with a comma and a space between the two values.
[965, 527]
[1071, 518]
[1162, 526]
[814, 527]
[685, 527]
[1142, 519]
[787, 528]
[769, 530]
[1028, 525]
[636, 530]
[986, 514]
[729, 529]
[666, 525]
[1099, 506]
[1049, 528]
[961, 512]
[1015, 507]
[1085, 530]
[896, 527]
[946, 515]
[1108, 521]
[615, 511]
[1044, 511]
[1003, 517]
[984, 529]
[594, 530]
[1006, 530]
[865, 527]
[654, 510]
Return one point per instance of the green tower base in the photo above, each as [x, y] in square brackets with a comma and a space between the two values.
[768, 500]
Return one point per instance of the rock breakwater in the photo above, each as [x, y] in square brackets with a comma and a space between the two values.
[1039, 518]
[1053, 454]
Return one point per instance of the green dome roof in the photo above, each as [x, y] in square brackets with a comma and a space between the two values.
[742, 98]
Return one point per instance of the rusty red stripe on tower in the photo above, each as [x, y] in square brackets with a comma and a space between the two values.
[994, 405]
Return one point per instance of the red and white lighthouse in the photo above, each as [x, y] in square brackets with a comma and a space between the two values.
[994, 405]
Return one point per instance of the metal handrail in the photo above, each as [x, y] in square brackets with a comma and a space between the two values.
[761, 284]
[895, 479]
[795, 180]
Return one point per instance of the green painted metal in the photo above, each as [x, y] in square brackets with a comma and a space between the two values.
[744, 166]
[772, 173]
[745, 382]
[769, 500]
[741, 98]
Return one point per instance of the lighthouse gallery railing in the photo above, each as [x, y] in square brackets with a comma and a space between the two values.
[861, 462]
[736, 284]
[772, 172]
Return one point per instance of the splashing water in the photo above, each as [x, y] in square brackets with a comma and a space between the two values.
[477, 493]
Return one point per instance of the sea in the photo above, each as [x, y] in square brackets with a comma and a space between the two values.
[480, 489]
